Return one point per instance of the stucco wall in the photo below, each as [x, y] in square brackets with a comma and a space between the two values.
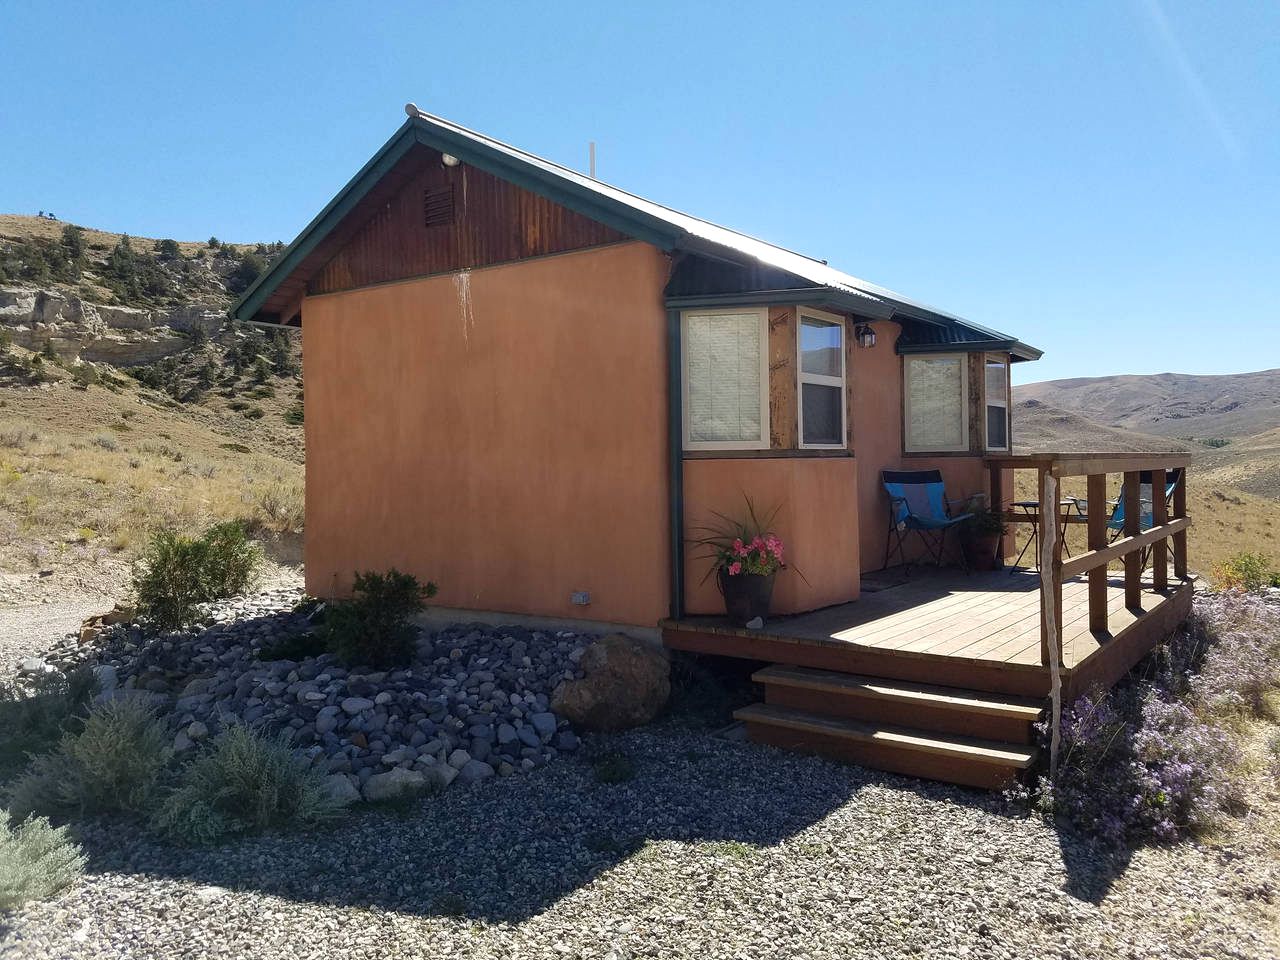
[817, 520]
[504, 436]
[877, 440]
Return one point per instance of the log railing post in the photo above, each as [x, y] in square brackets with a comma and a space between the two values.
[1180, 538]
[1159, 549]
[996, 503]
[1097, 498]
[1132, 494]
[1051, 606]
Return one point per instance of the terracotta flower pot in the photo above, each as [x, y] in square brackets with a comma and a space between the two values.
[746, 595]
[980, 551]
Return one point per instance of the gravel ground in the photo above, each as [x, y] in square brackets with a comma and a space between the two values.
[29, 629]
[714, 849]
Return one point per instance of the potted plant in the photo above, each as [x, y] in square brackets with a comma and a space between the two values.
[982, 533]
[746, 555]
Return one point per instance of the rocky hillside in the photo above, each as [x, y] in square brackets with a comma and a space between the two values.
[1180, 405]
[83, 294]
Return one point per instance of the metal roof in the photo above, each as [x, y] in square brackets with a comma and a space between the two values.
[667, 228]
[961, 335]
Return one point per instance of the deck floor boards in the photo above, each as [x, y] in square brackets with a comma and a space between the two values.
[992, 617]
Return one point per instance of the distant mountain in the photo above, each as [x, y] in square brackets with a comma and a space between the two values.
[1038, 427]
[1169, 404]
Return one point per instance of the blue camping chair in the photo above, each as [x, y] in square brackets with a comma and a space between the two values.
[917, 502]
[1115, 522]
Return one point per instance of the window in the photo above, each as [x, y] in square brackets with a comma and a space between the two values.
[936, 411]
[997, 383]
[822, 396]
[726, 379]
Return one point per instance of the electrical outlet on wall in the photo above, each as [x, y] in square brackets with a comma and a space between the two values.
[580, 598]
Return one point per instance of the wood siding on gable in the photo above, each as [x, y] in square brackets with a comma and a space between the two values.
[492, 221]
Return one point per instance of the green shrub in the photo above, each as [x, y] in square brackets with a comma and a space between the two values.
[255, 413]
[36, 861]
[1243, 571]
[294, 415]
[36, 711]
[244, 782]
[373, 628]
[295, 646]
[114, 764]
[175, 573]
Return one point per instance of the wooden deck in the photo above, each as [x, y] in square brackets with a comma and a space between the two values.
[945, 675]
[980, 631]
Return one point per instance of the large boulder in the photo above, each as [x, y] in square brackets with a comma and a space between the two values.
[627, 683]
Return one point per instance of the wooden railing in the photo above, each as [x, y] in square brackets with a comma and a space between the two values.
[1050, 470]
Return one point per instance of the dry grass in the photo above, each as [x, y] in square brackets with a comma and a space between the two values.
[19, 227]
[85, 474]
[1224, 521]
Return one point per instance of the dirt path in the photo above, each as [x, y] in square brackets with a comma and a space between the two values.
[27, 630]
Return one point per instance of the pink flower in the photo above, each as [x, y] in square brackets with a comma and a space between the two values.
[739, 549]
[735, 568]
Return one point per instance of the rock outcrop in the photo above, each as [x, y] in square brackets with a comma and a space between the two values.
[123, 336]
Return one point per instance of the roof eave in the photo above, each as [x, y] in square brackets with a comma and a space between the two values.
[475, 153]
[313, 233]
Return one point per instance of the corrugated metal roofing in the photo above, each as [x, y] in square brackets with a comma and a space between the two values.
[924, 337]
[650, 220]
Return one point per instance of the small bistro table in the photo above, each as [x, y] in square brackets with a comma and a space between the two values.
[1028, 511]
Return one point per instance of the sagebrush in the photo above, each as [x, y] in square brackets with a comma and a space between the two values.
[35, 711]
[176, 573]
[244, 782]
[113, 765]
[373, 628]
[36, 861]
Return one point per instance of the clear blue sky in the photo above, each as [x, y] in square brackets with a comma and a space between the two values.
[1101, 179]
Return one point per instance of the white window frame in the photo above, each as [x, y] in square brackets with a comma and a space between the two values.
[963, 359]
[827, 381]
[1002, 359]
[762, 315]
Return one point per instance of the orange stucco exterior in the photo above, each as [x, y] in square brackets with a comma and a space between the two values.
[877, 431]
[503, 432]
[817, 501]
[500, 432]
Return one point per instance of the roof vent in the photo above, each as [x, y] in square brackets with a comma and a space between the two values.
[437, 206]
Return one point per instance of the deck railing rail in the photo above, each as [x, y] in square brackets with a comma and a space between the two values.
[1051, 469]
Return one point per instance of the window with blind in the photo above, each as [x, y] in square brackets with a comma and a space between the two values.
[997, 402]
[726, 379]
[822, 396]
[936, 411]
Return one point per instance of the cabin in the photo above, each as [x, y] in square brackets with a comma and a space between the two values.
[532, 387]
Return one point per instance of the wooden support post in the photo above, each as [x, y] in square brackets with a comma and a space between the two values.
[1132, 526]
[1051, 607]
[1097, 498]
[1159, 549]
[995, 492]
[1180, 538]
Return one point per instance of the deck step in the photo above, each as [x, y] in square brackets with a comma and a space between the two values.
[950, 710]
[968, 761]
